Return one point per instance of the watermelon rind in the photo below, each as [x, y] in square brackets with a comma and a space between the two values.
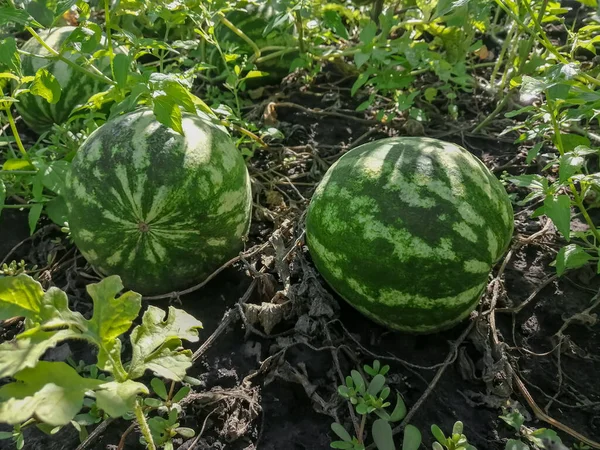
[159, 209]
[76, 87]
[406, 230]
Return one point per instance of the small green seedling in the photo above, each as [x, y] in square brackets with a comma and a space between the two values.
[371, 399]
[457, 441]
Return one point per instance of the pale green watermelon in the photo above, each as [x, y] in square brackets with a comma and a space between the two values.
[407, 230]
[159, 209]
[77, 87]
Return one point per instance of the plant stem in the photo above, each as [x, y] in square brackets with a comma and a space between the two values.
[94, 73]
[13, 127]
[240, 33]
[361, 430]
[300, 30]
[111, 53]
[503, 50]
[144, 428]
[493, 114]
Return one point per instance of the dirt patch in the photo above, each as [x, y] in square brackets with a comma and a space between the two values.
[278, 390]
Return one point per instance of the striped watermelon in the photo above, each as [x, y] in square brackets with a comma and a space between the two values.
[407, 230]
[77, 87]
[157, 208]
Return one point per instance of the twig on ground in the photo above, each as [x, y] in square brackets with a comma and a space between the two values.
[321, 112]
[95, 434]
[247, 254]
[129, 429]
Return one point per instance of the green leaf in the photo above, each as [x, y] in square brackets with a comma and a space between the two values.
[9, 55]
[342, 444]
[341, 432]
[376, 384]
[25, 352]
[159, 388]
[17, 164]
[34, 215]
[112, 317]
[333, 20]
[436, 446]
[57, 210]
[368, 33]
[20, 295]
[438, 434]
[412, 438]
[538, 436]
[62, 6]
[383, 435]
[571, 141]
[457, 428]
[53, 392]
[513, 444]
[167, 112]
[533, 152]
[9, 14]
[430, 94]
[558, 209]
[121, 64]
[399, 411]
[571, 256]
[359, 381]
[514, 419]
[54, 175]
[361, 58]
[46, 86]
[117, 399]
[5, 435]
[181, 394]
[362, 409]
[156, 343]
[40, 12]
[569, 165]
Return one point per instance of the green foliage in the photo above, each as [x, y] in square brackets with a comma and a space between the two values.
[54, 393]
[456, 441]
[371, 399]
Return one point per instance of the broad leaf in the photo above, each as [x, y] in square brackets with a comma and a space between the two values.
[513, 444]
[25, 352]
[20, 295]
[341, 432]
[53, 392]
[571, 256]
[383, 435]
[121, 69]
[412, 438]
[399, 411]
[9, 56]
[117, 399]
[558, 209]
[45, 85]
[167, 112]
[156, 343]
[10, 14]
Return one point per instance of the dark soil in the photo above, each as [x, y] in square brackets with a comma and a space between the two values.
[290, 400]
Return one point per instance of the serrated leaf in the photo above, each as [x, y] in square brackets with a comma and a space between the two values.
[53, 392]
[399, 411]
[383, 435]
[117, 399]
[45, 85]
[9, 55]
[412, 438]
[341, 432]
[156, 343]
[10, 14]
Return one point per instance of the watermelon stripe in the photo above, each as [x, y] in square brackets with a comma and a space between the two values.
[77, 88]
[407, 230]
[159, 209]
